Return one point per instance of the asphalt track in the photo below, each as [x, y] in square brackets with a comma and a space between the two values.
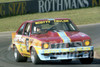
[7, 59]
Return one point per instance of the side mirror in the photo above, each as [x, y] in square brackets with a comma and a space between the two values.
[26, 33]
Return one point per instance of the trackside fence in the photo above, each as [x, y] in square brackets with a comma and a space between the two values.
[40, 6]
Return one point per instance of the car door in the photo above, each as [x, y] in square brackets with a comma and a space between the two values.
[26, 35]
[19, 38]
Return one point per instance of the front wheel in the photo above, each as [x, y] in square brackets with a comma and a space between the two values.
[18, 57]
[35, 59]
[88, 60]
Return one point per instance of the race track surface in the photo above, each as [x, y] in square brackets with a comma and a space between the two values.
[7, 59]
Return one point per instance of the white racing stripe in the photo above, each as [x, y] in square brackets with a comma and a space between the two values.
[64, 37]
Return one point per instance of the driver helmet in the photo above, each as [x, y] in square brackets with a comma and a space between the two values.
[37, 28]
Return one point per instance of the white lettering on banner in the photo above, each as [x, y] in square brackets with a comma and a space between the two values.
[69, 4]
[41, 6]
[57, 5]
[65, 4]
[48, 3]
[80, 3]
[74, 4]
[86, 3]
[53, 4]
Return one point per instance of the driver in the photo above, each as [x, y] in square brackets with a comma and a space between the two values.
[38, 29]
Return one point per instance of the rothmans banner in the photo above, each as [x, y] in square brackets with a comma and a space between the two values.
[35, 6]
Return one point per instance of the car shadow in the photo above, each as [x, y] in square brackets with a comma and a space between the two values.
[74, 62]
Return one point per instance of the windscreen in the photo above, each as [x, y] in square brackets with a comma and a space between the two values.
[54, 26]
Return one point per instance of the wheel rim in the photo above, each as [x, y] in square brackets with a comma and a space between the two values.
[15, 53]
[32, 56]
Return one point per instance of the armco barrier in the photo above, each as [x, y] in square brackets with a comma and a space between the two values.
[33, 6]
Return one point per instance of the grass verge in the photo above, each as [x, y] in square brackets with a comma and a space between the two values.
[79, 16]
[97, 50]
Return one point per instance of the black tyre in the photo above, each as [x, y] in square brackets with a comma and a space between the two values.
[87, 60]
[34, 57]
[18, 57]
[64, 61]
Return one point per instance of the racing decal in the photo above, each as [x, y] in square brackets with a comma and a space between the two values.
[27, 44]
[67, 50]
[42, 22]
[19, 38]
[71, 53]
[61, 20]
[64, 37]
[21, 47]
[37, 48]
[48, 21]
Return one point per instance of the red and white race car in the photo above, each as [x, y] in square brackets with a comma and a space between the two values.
[51, 39]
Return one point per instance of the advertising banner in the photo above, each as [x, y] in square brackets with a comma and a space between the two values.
[35, 6]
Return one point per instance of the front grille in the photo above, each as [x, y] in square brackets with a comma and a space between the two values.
[59, 45]
[65, 45]
[75, 44]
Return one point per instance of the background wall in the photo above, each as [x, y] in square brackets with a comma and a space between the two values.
[34, 6]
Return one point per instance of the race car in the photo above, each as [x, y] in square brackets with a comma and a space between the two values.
[51, 39]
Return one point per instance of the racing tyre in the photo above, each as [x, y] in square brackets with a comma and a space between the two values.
[18, 57]
[34, 58]
[88, 60]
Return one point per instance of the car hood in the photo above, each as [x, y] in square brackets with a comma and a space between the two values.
[62, 37]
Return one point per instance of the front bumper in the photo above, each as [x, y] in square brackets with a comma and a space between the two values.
[65, 53]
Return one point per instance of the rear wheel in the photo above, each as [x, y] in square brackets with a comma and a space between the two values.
[18, 57]
[88, 60]
[35, 59]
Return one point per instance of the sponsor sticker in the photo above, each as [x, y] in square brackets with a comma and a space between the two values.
[61, 20]
[42, 22]
[67, 50]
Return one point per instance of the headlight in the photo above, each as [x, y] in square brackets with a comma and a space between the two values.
[87, 42]
[45, 46]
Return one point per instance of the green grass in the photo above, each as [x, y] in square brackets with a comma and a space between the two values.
[97, 51]
[10, 0]
[79, 16]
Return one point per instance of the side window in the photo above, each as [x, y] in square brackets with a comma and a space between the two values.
[33, 28]
[72, 27]
[21, 29]
[27, 29]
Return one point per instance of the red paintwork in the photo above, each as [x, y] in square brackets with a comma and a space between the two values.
[54, 37]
